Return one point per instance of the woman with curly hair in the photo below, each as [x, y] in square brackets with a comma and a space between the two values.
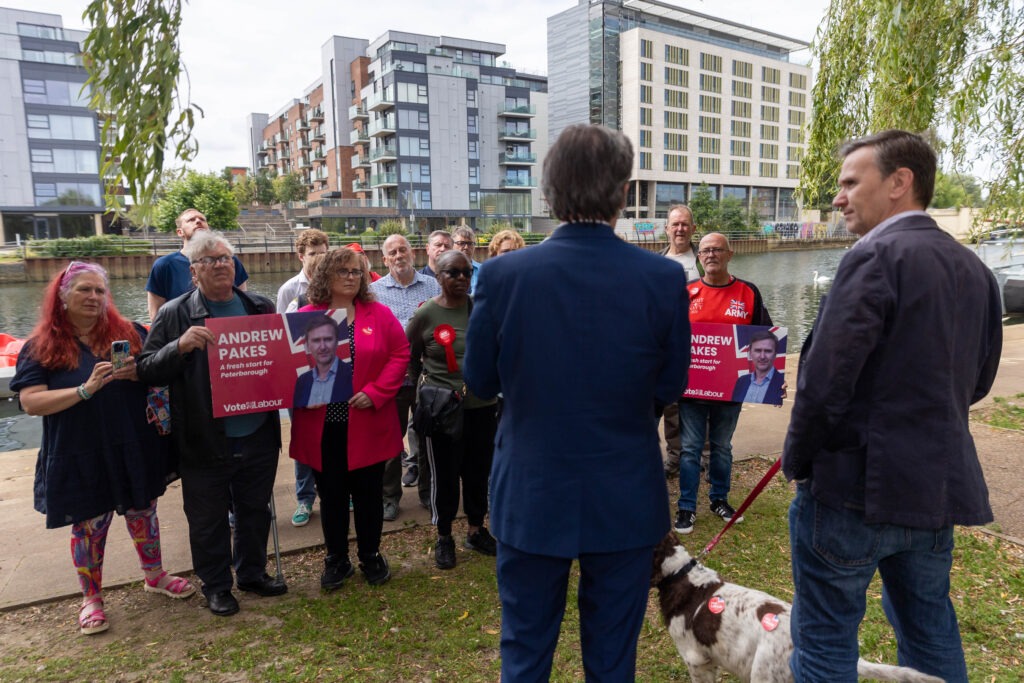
[505, 241]
[98, 454]
[347, 433]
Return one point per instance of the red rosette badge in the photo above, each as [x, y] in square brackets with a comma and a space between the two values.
[445, 336]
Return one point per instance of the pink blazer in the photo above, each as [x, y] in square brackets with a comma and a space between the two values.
[381, 361]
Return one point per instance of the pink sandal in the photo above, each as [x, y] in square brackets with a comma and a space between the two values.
[171, 586]
[91, 617]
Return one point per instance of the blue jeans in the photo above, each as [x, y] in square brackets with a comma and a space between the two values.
[835, 554]
[718, 422]
[305, 484]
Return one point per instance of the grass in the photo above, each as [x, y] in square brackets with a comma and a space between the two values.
[1004, 412]
[428, 625]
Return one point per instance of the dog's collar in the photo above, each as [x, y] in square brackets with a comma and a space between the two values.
[679, 573]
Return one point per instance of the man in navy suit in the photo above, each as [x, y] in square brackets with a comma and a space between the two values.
[318, 386]
[879, 440]
[764, 384]
[587, 337]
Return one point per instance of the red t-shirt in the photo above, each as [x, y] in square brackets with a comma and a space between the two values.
[737, 303]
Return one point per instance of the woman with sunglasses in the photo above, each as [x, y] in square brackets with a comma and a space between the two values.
[437, 337]
[98, 454]
[347, 441]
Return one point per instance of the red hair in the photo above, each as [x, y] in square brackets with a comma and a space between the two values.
[54, 340]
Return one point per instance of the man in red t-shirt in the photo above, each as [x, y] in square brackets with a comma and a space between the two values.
[716, 297]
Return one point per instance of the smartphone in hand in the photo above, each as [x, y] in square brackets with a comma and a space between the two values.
[119, 353]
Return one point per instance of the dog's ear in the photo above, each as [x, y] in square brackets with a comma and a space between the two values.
[665, 548]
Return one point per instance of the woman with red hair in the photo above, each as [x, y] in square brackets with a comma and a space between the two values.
[98, 454]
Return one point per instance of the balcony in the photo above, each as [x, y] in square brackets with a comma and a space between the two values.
[319, 174]
[357, 112]
[317, 156]
[381, 101]
[518, 135]
[303, 142]
[302, 124]
[358, 136]
[261, 151]
[360, 161]
[518, 183]
[317, 135]
[382, 126]
[384, 179]
[524, 110]
[303, 162]
[360, 185]
[315, 114]
[285, 153]
[517, 159]
[387, 153]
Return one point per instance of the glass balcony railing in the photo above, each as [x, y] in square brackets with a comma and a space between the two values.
[513, 134]
[378, 179]
[380, 153]
[518, 183]
[517, 158]
[520, 110]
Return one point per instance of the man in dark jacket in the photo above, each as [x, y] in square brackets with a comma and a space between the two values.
[907, 340]
[222, 460]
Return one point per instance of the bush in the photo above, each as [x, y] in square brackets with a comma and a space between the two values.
[388, 228]
[86, 247]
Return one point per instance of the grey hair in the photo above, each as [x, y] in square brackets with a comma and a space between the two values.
[204, 241]
[464, 231]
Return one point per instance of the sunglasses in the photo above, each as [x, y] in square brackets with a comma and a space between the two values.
[455, 272]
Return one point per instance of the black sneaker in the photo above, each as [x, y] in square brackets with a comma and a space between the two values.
[376, 570]
[482, 542]
[335, 573]
[444, 552]
[411, 476]
[685, 519]
[724, 510]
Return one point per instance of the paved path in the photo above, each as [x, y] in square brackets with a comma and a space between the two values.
[35, 564]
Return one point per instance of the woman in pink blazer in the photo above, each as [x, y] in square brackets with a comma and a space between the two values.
[347, 442]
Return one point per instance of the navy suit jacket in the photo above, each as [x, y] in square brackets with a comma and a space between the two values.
[583, 334]
[339, 391]
[773, 395]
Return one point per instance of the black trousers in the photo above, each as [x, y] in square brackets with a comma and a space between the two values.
[467, 460]
[404, 400]
[244, 481]
[335, 483]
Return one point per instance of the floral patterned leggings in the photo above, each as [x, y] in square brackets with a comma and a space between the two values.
[89, 538]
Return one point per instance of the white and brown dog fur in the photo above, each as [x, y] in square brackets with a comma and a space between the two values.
[746, 632]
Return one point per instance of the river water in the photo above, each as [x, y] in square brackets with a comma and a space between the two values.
[784, 278]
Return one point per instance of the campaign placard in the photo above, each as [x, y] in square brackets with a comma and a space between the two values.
[737, 363]
[268, 362]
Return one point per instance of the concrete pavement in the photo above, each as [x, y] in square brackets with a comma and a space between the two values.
[35, 562]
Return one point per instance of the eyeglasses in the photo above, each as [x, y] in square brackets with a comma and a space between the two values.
[712, 251]
[213, 260]
[463, 243]
[345, 272]
[455, 272]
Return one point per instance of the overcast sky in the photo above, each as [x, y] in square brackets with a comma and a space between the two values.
[247, 56]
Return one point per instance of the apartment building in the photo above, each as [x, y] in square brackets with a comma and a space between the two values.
[705, 101]
[432, 130]
[49, 138]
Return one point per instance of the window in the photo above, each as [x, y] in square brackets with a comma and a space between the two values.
[769, 151]
[740, 148]
[60, 127]
[416, 147]
[675, 162]
[770, 94]
[67, 194]
[51, 57]
[768, 170]
[742, 69]
[647, 49]
[741, 129]
[474, 149]
[793, 172]
[646, 71]
[709, 83]
[769, 132]
[645, 160]
[707, 145]
[796, 117]
[742, 109]
[742, 89]
[645, 138]
[474, 175]
[676, 98]
[793, 135]
[676, 120]
[710, 62]
[710, 124]
[794, 153]
[709, 165]
[798, 81]
[82, 161]
[711, 104]
[677, 55]
[678, 77]
[645, 116]
[771, 75]
[471, 97]
[769, 113]
[410, 119]
[798, 99]
[411, 92]
[675, 142]
[737, 167]
[646, 94]
[471, 124]
[414, 173]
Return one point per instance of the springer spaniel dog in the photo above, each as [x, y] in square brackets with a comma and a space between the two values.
[744, 631]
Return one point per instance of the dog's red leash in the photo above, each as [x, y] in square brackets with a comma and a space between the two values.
[746, 503]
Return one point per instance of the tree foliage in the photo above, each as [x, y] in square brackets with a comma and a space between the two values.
[955, 191]
[290, 188]
[133, 59]
[204, 191]
[725, 215]
[951, 68]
